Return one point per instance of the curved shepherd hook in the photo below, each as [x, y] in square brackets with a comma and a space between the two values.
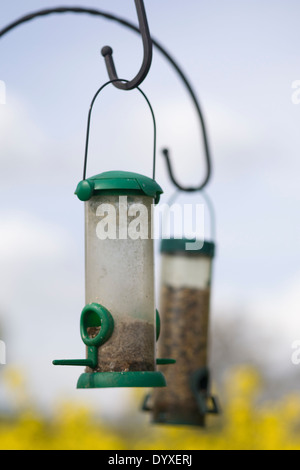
[147, 44]
[165, 152]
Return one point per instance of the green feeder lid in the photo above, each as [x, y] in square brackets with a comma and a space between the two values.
[118, 182]
[178, 245]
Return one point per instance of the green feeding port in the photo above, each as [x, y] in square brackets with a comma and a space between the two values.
[96, 327]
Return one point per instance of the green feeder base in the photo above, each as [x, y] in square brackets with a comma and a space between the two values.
[121, 379]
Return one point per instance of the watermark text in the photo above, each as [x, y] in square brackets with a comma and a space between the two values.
[138, 221]
[295, 358]
[2, 353]
[2, 92]
[296, 94]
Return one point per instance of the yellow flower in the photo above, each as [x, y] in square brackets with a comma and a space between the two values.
[244, 424]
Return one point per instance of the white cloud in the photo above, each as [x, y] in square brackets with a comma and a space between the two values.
[278, 311]
[21, 139]
[25, 238]
[41, 280]
[41, 297]
[261, 328]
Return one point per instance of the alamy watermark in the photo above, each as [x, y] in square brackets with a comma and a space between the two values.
[2, 353]
[2, 92]
[295, 358]
[137, 221]
[296, 94]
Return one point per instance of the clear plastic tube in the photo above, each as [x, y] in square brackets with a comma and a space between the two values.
[184, 311]
[120, 276]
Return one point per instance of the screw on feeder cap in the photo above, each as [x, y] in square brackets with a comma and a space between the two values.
[179, 245]
[118, 182]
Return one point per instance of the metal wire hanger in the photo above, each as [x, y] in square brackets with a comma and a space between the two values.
[89, 125]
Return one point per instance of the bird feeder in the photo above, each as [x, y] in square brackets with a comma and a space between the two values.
[184, 308]
[185, 293]
[118, 322]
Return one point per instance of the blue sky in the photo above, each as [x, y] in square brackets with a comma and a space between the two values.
[241, 58]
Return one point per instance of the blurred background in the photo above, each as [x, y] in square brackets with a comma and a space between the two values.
[242, 59]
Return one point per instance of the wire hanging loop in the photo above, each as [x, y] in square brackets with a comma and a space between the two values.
[89, 125]
[147, 59]
[209, 205]
[165, 152]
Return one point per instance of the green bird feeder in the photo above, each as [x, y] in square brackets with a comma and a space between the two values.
[184, 307]
[185, 292]
[119, 324]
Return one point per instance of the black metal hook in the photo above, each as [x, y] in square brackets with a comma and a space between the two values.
[147, 45]
[207, 154]
[187, 188]
[166, 154]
